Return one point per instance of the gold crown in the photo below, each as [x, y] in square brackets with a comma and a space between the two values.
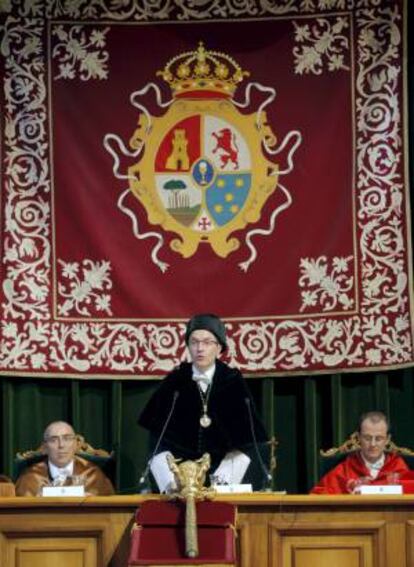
[201, 72]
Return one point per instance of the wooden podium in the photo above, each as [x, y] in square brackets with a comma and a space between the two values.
[272, 531]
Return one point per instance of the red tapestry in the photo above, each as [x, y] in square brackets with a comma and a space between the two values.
[241, 158]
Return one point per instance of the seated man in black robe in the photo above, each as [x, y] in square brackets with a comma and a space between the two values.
[211, 411]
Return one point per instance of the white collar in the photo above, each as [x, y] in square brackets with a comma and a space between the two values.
[374, 468]
[208, 373]
[56, 472]
[204, 378]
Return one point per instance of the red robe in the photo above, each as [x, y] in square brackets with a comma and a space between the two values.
[342, 479]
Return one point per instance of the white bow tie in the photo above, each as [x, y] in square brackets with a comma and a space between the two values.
[202, 381]
[63, 472]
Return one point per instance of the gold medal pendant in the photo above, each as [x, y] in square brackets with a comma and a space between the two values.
[205, 420]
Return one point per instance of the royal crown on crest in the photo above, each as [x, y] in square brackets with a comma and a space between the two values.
[202, 73]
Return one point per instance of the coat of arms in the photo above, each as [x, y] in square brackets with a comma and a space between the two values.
[203, 169]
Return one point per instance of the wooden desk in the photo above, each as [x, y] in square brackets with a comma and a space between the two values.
[274, 531]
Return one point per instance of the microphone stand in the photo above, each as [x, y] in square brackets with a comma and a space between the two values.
[267, 477]
[143, 484]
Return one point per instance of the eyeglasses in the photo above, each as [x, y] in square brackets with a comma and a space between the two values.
[202, 342]
[64, 439]
[373, 438]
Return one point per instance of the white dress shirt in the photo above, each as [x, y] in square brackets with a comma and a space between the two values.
[204, 378]
[374, 468]
[60, 472]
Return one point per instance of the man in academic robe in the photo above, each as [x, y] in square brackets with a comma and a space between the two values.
[208, 408]
[370, 465]
[61, 466]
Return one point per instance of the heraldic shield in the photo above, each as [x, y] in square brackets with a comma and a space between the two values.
[203, 174]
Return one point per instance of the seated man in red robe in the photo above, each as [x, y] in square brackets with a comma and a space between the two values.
[370, 465]
[61, 465]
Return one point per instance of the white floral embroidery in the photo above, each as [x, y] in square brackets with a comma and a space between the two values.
[23, 344]
[380, 188]
[161, 10]
[327, 287]
[75, 49]
[5, 6]
[26, 208]
[379, 335]
[130, 348]
[292, 344]
[319, 41]
[85, 288]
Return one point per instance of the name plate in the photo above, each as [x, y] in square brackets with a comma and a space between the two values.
[63, 491]
[381, 489]
[231, 488]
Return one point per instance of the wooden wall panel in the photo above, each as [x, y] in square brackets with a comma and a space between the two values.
[54, 552]
[341, 552]
[82, 538]
[410, 542]
[273, 531]
[333, 544]
[252, 544]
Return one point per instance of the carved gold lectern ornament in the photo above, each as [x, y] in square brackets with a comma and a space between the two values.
[190, 477]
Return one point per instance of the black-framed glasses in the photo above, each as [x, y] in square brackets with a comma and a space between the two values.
[202, 342]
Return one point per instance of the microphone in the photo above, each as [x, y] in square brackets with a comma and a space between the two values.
[143, 487]
[267, 487]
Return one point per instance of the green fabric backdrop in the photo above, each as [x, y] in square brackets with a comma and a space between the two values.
[304, 413]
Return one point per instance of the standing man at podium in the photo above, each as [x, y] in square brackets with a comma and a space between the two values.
[205, 407]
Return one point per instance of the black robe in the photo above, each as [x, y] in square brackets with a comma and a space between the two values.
[230, 428]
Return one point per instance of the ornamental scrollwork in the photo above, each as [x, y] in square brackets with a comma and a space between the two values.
[83, 287]
[80, 54]
[321, 46]
[325, 286]
[379, 335]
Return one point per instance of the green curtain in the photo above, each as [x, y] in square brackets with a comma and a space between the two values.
[305, 414]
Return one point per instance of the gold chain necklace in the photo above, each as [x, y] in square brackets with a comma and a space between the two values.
[205, 419]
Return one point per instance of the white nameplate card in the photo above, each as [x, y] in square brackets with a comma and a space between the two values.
[231, 488]
[381, 489]
[63, 491]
